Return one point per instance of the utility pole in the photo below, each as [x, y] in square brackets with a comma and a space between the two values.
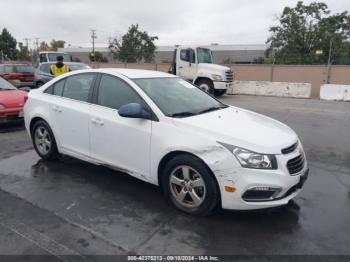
[37, 43]
[328, 79]
[27, 41]
[93, 37]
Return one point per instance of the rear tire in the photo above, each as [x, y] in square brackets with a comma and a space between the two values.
[44, 141]
[219, 92]
[189, 186]
[206, 85]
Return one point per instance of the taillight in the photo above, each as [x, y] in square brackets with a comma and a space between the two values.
[25, 98]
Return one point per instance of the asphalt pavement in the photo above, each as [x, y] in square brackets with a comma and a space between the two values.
[70, 210]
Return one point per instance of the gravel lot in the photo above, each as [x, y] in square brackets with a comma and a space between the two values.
[74, 208]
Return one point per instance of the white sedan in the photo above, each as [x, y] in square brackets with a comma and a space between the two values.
[163, 130]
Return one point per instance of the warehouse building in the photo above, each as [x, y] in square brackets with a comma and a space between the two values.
[238, 54]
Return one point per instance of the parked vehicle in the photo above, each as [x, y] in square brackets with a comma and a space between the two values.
[18, 74]
[43, 75]
[195, 64]
[11, 102]
[51, 56]
[163, 130]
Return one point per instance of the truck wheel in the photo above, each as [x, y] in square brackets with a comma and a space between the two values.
[206, 85]
[219, 92]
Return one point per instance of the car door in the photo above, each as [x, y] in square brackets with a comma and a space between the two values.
[123, 143]
[186, 65]
[69, 109]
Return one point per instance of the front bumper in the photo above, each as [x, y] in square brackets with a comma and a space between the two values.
[222, 85]
[11, 115]
[243, 180]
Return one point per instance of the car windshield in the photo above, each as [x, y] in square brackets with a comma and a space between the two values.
[4, 85]
[53, 57]
[177, 98]
[74, 67]
[204, 55]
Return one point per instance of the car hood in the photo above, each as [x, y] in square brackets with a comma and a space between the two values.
[212, 67]
[12, 98]
[242, 128]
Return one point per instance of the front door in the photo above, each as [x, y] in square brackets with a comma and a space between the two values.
[186, 65]
[122, 143]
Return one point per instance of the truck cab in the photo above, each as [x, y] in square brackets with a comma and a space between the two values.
[195, 64]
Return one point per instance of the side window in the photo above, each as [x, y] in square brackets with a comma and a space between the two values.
[184, 55]
[8, 69]
[45, 68]
[78, 87]
[58, 88]
[43, 58]
[1, 68]
[114, 93]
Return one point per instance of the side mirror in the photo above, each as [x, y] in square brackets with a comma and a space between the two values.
[134, 110]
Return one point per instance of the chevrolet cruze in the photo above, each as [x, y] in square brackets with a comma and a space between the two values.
[163, 130]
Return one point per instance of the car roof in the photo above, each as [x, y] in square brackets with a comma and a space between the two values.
[68, 63]
[135, 73]
[16, 65]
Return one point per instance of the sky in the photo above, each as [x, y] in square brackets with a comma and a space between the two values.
[173, 21]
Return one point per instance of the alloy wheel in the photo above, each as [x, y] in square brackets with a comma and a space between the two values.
[42, 140]
[187, 186]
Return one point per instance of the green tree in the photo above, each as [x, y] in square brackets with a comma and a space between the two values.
[134, 46]
[44, 46]
[23, 53]
[8, 45]
[99, 57]
[304, 29]
[55, 44]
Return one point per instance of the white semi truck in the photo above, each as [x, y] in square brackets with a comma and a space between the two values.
[195, 64]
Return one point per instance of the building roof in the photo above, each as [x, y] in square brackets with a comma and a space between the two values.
[171, 48]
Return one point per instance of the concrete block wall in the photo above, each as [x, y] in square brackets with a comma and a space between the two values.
[267, 88]
[335, 92]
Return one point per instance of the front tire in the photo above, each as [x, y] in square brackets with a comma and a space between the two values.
[44, 141]
[189, 186]
[206, 85]
[219, 92]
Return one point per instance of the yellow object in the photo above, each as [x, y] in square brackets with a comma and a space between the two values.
[57, 71]
[230, 189]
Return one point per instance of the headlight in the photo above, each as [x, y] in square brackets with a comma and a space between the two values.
[2, 106]
[216, 77]
[249, 159]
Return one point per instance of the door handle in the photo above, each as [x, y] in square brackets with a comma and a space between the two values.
[97, 121]
[180, 67]
[57, 109]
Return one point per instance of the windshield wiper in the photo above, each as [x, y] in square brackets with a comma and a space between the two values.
[214, 108]
[182, 114]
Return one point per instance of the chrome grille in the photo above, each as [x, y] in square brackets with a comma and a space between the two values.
[289, 149]
[229, 75]
[295, 165]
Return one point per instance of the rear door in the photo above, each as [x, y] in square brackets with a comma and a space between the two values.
[117, 141]
[69, 108]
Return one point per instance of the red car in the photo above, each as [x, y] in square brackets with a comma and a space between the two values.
[11, 102]
[18, 74]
